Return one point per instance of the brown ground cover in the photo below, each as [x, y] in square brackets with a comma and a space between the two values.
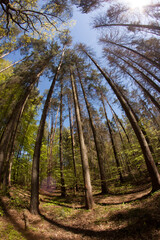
[134, 215]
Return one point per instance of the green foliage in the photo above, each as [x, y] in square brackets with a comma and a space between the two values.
[1, 212]
[11, 233]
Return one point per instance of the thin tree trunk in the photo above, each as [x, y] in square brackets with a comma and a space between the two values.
[152, 169]
[49, 168]
[5, 54]
[123, 145]
[134, 51]
[34, 202]
[113, 142]
[72, 141]
[145, 77]
[13, 64]
[153, 100]
[144, 68]
[83, 149]
[150, 27]
[63, 189]
[97, 143]
[114, 114]
[9, 133]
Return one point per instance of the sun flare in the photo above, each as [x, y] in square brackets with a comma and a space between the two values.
[138, 3]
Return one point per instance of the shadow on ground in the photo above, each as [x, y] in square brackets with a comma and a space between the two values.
[139, 222]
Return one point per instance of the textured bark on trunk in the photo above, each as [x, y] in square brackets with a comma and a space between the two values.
[97, 143]
[63, 189]
[34, 202]
[49, 168]
[9, 133]
[72, 141]
[152, 169]
[83, 150]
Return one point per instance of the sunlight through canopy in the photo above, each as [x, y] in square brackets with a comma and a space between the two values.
[137, 3]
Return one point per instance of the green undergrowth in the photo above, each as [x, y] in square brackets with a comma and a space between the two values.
[8, 232]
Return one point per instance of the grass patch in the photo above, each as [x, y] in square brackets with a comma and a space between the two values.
[8, 232]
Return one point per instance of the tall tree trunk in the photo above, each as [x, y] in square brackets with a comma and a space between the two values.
[122, 141]
[145, 77]
[83, 149]
[113, 142]
[63, 189]
[117, 118]
[150, 27]
[144, 68]
[34, 202]
[9, 133]
[152, 169]
[97, 143]
[49, 167]
[72, 140]
[153, 100]
[134, 51]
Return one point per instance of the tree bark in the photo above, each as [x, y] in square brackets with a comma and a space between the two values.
[152, 169]
[34, 202]
[49, 168]
[72, 141]
[153, 100]
[9, 133]
[63, 189]
[83, 149]
[147, 79]
[97, 143]
[134, 51]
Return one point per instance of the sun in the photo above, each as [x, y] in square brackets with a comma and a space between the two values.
[138, 3]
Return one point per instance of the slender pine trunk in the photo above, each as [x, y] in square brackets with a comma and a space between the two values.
[34, 202]
[63, 189]
[113, 142]
[97, 143]
[152, 169]
[9, 133]
[72, 141]
[83, 150]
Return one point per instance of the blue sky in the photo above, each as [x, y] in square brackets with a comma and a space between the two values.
[83, 32]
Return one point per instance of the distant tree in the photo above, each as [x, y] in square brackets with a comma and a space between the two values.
[149, 81]
[63, 189]
[152, 169]
[51, 140]
[112, 139]
[154, 63]
[119, 15]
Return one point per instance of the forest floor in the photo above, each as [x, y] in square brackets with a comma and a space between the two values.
[133, 214]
